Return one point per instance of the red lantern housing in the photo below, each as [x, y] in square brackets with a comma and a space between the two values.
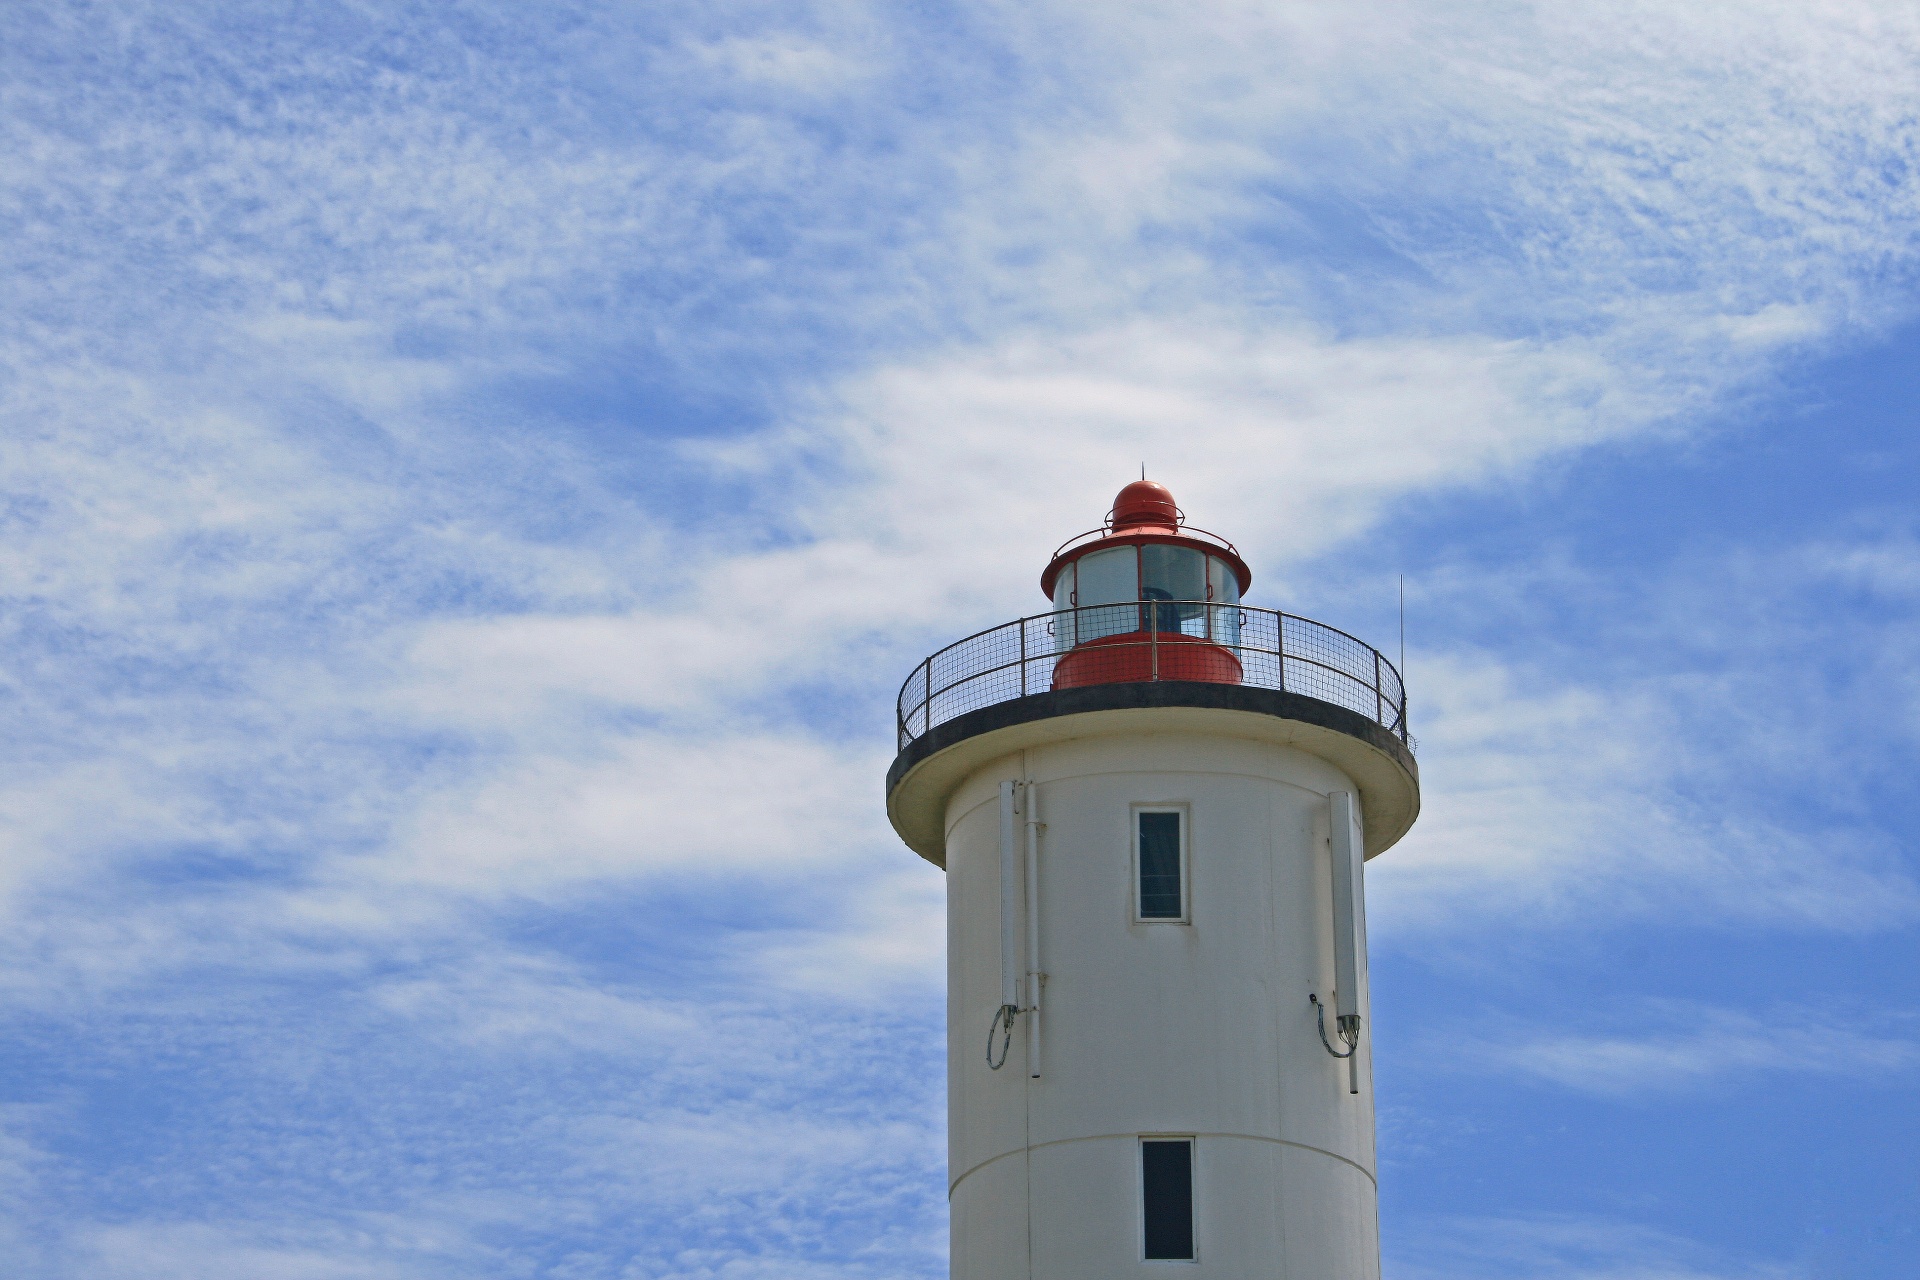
[1145, 597]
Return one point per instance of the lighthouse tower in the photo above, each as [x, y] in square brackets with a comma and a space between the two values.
[1153, 802]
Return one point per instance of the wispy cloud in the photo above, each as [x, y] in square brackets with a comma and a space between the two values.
[1568, 1247]
[1669, 1047]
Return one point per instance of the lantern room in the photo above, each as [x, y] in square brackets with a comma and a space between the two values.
[1145, 597]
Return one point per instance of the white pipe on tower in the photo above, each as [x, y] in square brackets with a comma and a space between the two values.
[1035, 978]
[1009, 902]
[1349, 925]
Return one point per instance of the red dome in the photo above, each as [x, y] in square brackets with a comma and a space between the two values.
[1145, 502]
[1144, 512]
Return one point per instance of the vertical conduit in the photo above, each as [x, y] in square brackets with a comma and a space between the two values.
[1026, 1094]
[1009, 902]
[1036, 979]
[1349, 925]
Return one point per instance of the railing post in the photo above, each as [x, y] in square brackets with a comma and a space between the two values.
[1022, 624]
[1280, 646]
[926, 695]
[1379, 706]
[1155, 643]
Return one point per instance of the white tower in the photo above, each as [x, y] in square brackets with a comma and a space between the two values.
[1152, 803]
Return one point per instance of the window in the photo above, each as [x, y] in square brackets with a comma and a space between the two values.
[1172, 573]
[1106, 584]
[1064, 628]
[1160, 864]
[1107, 577]
[1063, 587]
[1166, 1198]
[1223, 584]
[1223, 588]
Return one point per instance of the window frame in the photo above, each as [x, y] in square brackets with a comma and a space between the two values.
[1192, 1142]
[1185, 812]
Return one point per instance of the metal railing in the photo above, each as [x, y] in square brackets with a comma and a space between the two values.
[1107, 530]
[1153, 640]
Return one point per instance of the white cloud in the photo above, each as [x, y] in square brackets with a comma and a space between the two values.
[1572, 801]
[684, 802]
[1292, 438]
[926, 483]
[465, 1114]
[194, 1250]
[1885, 565]
[889, 938]
[1675, 1046]
[1567, 1247]
[788, 61]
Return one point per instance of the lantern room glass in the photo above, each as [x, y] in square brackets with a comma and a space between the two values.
[1062, 626]
[1185, 590]
[1176, 574]
[1106, 587]
[1107, 577]
[1223, 590]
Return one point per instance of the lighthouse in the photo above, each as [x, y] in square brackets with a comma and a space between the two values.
[1153, 802]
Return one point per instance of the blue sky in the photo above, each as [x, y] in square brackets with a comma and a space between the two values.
[477, 473]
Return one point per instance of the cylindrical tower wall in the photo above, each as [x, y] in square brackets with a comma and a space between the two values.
[1156, 1029]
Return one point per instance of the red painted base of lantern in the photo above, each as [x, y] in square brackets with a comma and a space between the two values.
[1131, 656]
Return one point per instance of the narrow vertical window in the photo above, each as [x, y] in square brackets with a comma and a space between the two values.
[1166, 1198]
[1158, 849]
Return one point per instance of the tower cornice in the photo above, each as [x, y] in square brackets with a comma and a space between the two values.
[929, 767]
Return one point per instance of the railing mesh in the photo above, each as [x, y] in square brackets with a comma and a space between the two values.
[1153, 640]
